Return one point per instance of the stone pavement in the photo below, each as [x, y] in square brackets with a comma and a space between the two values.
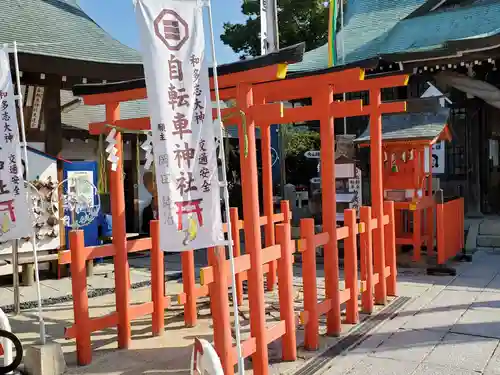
[451, 327]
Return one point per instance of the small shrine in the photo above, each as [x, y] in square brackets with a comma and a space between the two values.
[407, 141]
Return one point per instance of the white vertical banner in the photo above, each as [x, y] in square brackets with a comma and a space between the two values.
[184, 147]
[15, 220]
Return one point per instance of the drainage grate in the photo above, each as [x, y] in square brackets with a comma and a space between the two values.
[354, 338]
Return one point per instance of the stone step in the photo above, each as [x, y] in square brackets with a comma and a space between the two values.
[488, 240]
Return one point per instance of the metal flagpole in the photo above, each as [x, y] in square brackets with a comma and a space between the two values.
[241, 364]
[33, 235]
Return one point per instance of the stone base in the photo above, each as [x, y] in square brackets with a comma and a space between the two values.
[45, 359]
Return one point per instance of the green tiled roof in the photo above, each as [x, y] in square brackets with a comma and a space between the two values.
[381, 27]
[366, 23]
[60, 28]
[435, 29]
[408, 126]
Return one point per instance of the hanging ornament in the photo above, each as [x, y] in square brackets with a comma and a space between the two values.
[111, 149]
[394, 167]
[410, 157]
[147, 146]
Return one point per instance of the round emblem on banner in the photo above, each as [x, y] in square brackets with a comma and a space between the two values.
[172, 30]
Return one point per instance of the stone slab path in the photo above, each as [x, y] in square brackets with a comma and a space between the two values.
[452, 327]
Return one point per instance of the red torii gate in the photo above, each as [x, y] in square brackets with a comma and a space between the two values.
[259, 86]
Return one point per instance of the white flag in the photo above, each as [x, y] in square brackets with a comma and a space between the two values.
[15, 220]
[184, 147]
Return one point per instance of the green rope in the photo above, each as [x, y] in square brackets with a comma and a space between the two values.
[103, 178]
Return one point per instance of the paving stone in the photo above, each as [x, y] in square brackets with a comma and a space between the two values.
[463, 351]
[493, 366]
[479, 323]
[441, 319]
[462, 283]
[428, 369]
[409, 345]
[487, 301]
[382, 366]
[494, 285]
[453, 299]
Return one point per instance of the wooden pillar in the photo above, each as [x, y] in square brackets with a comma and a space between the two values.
[252, 231]
[323, 101]
[267, 181]
[377, 193]
[117, 196]
[135, 178]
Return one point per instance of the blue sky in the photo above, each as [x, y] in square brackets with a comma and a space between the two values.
[117, 18]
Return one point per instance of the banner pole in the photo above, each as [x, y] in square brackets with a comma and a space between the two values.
[33, 235]
[241, 364]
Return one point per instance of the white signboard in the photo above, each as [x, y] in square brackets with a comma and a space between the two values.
[312, 154]
[173, 50]
[355, 187]
[438, 158]
[15, 221]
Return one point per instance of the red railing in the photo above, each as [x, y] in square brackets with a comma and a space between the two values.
[217, 278]
[450, 227]
[77, 258]
[378, 267]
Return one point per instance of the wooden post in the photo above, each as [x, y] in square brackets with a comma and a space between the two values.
[377, 193]
[311, 339]
[119, 236]
[80, 297]
[365, 216]
[441, 227]
[267, 182]
[220, 310]
[285, 286]
[417, 234]
[351, 267]
[235, 231]
[324, 99]
[429, 211]
[390, 249]
[189, 288]
[157, 279]
[252, 231]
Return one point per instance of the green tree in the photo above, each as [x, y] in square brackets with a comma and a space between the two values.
[298, 21]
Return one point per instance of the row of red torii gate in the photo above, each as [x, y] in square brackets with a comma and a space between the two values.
[259, 87]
